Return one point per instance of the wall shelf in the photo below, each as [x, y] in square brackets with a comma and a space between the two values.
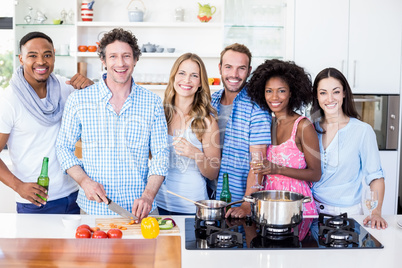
[147, 55]
[42, 24]
[160, 28]
[148, 24]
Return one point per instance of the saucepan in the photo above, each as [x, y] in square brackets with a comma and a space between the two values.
[277, 209]
[209, 209]
[215, 209]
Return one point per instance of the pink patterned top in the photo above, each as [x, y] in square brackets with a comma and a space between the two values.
[287, 154]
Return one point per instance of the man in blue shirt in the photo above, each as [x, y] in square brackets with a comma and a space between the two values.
[120, 125]
[244, 126]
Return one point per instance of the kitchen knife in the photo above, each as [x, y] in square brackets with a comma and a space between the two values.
[119, 210]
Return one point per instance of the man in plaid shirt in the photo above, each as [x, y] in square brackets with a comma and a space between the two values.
[120, 124]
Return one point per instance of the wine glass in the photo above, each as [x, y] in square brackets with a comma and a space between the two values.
[371, 201]
[256, 161]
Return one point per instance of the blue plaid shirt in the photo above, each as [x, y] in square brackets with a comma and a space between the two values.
[248, 125]
[115, 147]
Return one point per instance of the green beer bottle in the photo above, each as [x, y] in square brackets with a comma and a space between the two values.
[225, 194]
[43, 179]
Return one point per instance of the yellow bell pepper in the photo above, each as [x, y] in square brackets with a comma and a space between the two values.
[149, 228]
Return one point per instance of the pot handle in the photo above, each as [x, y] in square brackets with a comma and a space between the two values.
[249, 199]
[236, 202]
[306, 199]
[245, 199]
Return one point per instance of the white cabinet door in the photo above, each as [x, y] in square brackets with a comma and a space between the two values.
[321, 34]
[375, 46]
[361, 38]
[389, 162]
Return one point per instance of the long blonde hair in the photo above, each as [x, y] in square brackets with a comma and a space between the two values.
[201, 107]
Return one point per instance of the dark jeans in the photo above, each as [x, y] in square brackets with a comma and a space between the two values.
[166, 212]
[65, 205]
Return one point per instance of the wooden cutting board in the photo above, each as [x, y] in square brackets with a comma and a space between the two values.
[134, 229]
[162, 252]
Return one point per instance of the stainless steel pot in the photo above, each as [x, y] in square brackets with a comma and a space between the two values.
[270, 209]
[215, 210]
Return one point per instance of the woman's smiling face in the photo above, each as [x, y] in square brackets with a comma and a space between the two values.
[277, 95]
[187, 79]
[330, 95]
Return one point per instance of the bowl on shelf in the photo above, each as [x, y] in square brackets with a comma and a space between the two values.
[170, 49]
[71, 221]
[56, 21]
[92, 48]
[82, 48]
[150, 49]
[160, 49]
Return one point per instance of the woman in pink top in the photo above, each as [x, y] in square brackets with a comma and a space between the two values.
[293, 158]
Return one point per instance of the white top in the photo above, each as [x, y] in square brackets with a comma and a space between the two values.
[184, 178]
[30, 141]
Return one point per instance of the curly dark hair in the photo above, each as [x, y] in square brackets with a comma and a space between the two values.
[298, 80]
[118, 34]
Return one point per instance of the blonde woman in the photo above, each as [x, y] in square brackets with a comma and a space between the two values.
[194, 152]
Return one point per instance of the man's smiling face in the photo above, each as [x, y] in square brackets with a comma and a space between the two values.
[37, 58]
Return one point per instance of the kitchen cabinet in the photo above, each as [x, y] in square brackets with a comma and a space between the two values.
[260, 25]
[265, 35]
[361, 38]
[159, 27]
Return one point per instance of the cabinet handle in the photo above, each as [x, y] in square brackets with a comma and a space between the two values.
[354, 73]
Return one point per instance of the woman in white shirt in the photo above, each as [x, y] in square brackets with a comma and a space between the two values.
[195, 153]
[348, 148]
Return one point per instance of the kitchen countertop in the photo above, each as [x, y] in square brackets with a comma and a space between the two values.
[50, 226]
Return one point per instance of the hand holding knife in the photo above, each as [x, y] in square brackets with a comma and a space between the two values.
[120, 210]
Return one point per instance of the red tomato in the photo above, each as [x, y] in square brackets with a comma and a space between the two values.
[84, 226]
[114, 233]
[99, 234]
[94, 229]
[83, 233]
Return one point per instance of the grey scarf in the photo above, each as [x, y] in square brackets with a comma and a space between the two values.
[46, 113]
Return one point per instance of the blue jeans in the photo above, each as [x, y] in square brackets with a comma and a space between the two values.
[65, 205]
[166, 212]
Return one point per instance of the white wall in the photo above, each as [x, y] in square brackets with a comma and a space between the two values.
[7, 196]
